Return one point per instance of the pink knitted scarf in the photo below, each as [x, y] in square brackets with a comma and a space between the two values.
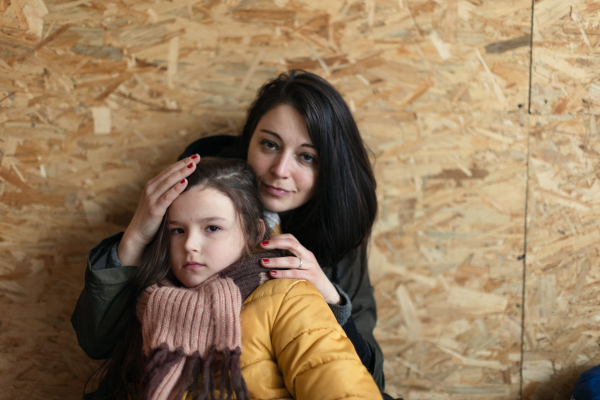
[192, 337]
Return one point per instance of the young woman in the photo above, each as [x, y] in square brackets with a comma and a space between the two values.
[314, 175]
[210, 323]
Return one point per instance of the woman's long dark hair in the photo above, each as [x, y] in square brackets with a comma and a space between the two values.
[121, 373]
[340, 216]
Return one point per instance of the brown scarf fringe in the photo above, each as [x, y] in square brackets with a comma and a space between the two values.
[161, 361]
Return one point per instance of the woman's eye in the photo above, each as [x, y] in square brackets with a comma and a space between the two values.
[176, 231]
[268, 144]
[308, 158]
[212, 228]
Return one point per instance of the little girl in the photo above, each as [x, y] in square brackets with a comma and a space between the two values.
[211, 324]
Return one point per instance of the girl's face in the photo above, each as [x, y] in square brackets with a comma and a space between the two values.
[206, 236]
[284, 159]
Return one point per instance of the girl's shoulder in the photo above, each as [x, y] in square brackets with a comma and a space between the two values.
[288, 307]
[280, 289]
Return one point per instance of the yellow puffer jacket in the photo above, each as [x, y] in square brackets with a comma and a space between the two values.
[293, 348]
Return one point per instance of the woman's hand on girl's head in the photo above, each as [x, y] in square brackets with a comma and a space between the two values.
[157, 196]
[301, 265]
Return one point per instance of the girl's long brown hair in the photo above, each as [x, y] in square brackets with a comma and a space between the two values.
[121, 373]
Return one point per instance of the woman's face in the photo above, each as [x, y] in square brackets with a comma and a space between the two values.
[284, 159]
[206, 236]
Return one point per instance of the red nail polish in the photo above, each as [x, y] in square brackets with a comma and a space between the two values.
[194, 157]
[183, 181]
[274, 272]
[191, 165]
[264, 242]
[265, 261]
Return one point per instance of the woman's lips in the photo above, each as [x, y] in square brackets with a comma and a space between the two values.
[275, 191]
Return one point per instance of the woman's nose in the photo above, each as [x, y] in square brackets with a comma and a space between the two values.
[281, 166]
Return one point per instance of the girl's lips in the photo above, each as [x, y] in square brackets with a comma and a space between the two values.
[192, 265]
[274, 190]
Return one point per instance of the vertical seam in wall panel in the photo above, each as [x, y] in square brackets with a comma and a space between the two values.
[526, 203]
[524, 262]
[530, 57]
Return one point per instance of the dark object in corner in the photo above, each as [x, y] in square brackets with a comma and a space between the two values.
[588, 385]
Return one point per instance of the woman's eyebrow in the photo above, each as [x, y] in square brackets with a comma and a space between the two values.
[279, 137]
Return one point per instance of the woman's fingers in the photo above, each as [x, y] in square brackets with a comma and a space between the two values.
[168, 178]
[312, 274]
[286, 242]
[288, 274]
[159, 195]
[176, 167]
[301, 257]
[164, 201]
[302, 265]
[283, 262]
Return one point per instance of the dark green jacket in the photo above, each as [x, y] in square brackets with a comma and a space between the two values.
[105, 306]
[364, 308]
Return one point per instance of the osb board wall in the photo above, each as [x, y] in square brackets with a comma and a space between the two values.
[97, 96]
[566, 35]
[447, 56]
[448, 253]
[561, 308]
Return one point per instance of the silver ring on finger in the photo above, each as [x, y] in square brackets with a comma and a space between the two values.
[300, 263]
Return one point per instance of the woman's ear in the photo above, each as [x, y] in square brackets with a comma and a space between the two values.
[261, 228]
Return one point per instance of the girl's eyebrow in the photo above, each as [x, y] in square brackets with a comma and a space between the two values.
[209, 219]
[279, 137]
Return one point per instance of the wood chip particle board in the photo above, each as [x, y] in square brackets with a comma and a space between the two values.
[565, 52]
[482, 65]
[562, 250]
[102, 122]
[445, 256]
[96, 97]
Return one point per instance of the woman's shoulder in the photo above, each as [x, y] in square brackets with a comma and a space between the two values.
[351, 260]
[215, 146]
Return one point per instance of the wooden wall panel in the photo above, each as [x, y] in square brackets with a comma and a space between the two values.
[61, 192]
[449, 56]
[562, 273]
[447, 251]
[565, 53]
[98, 96]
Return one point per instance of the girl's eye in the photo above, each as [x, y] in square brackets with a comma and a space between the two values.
[308, 158]
[176, 231]
[268, 144]
[213, 228]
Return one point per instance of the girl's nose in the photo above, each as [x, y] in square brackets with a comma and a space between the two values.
[192, 243]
